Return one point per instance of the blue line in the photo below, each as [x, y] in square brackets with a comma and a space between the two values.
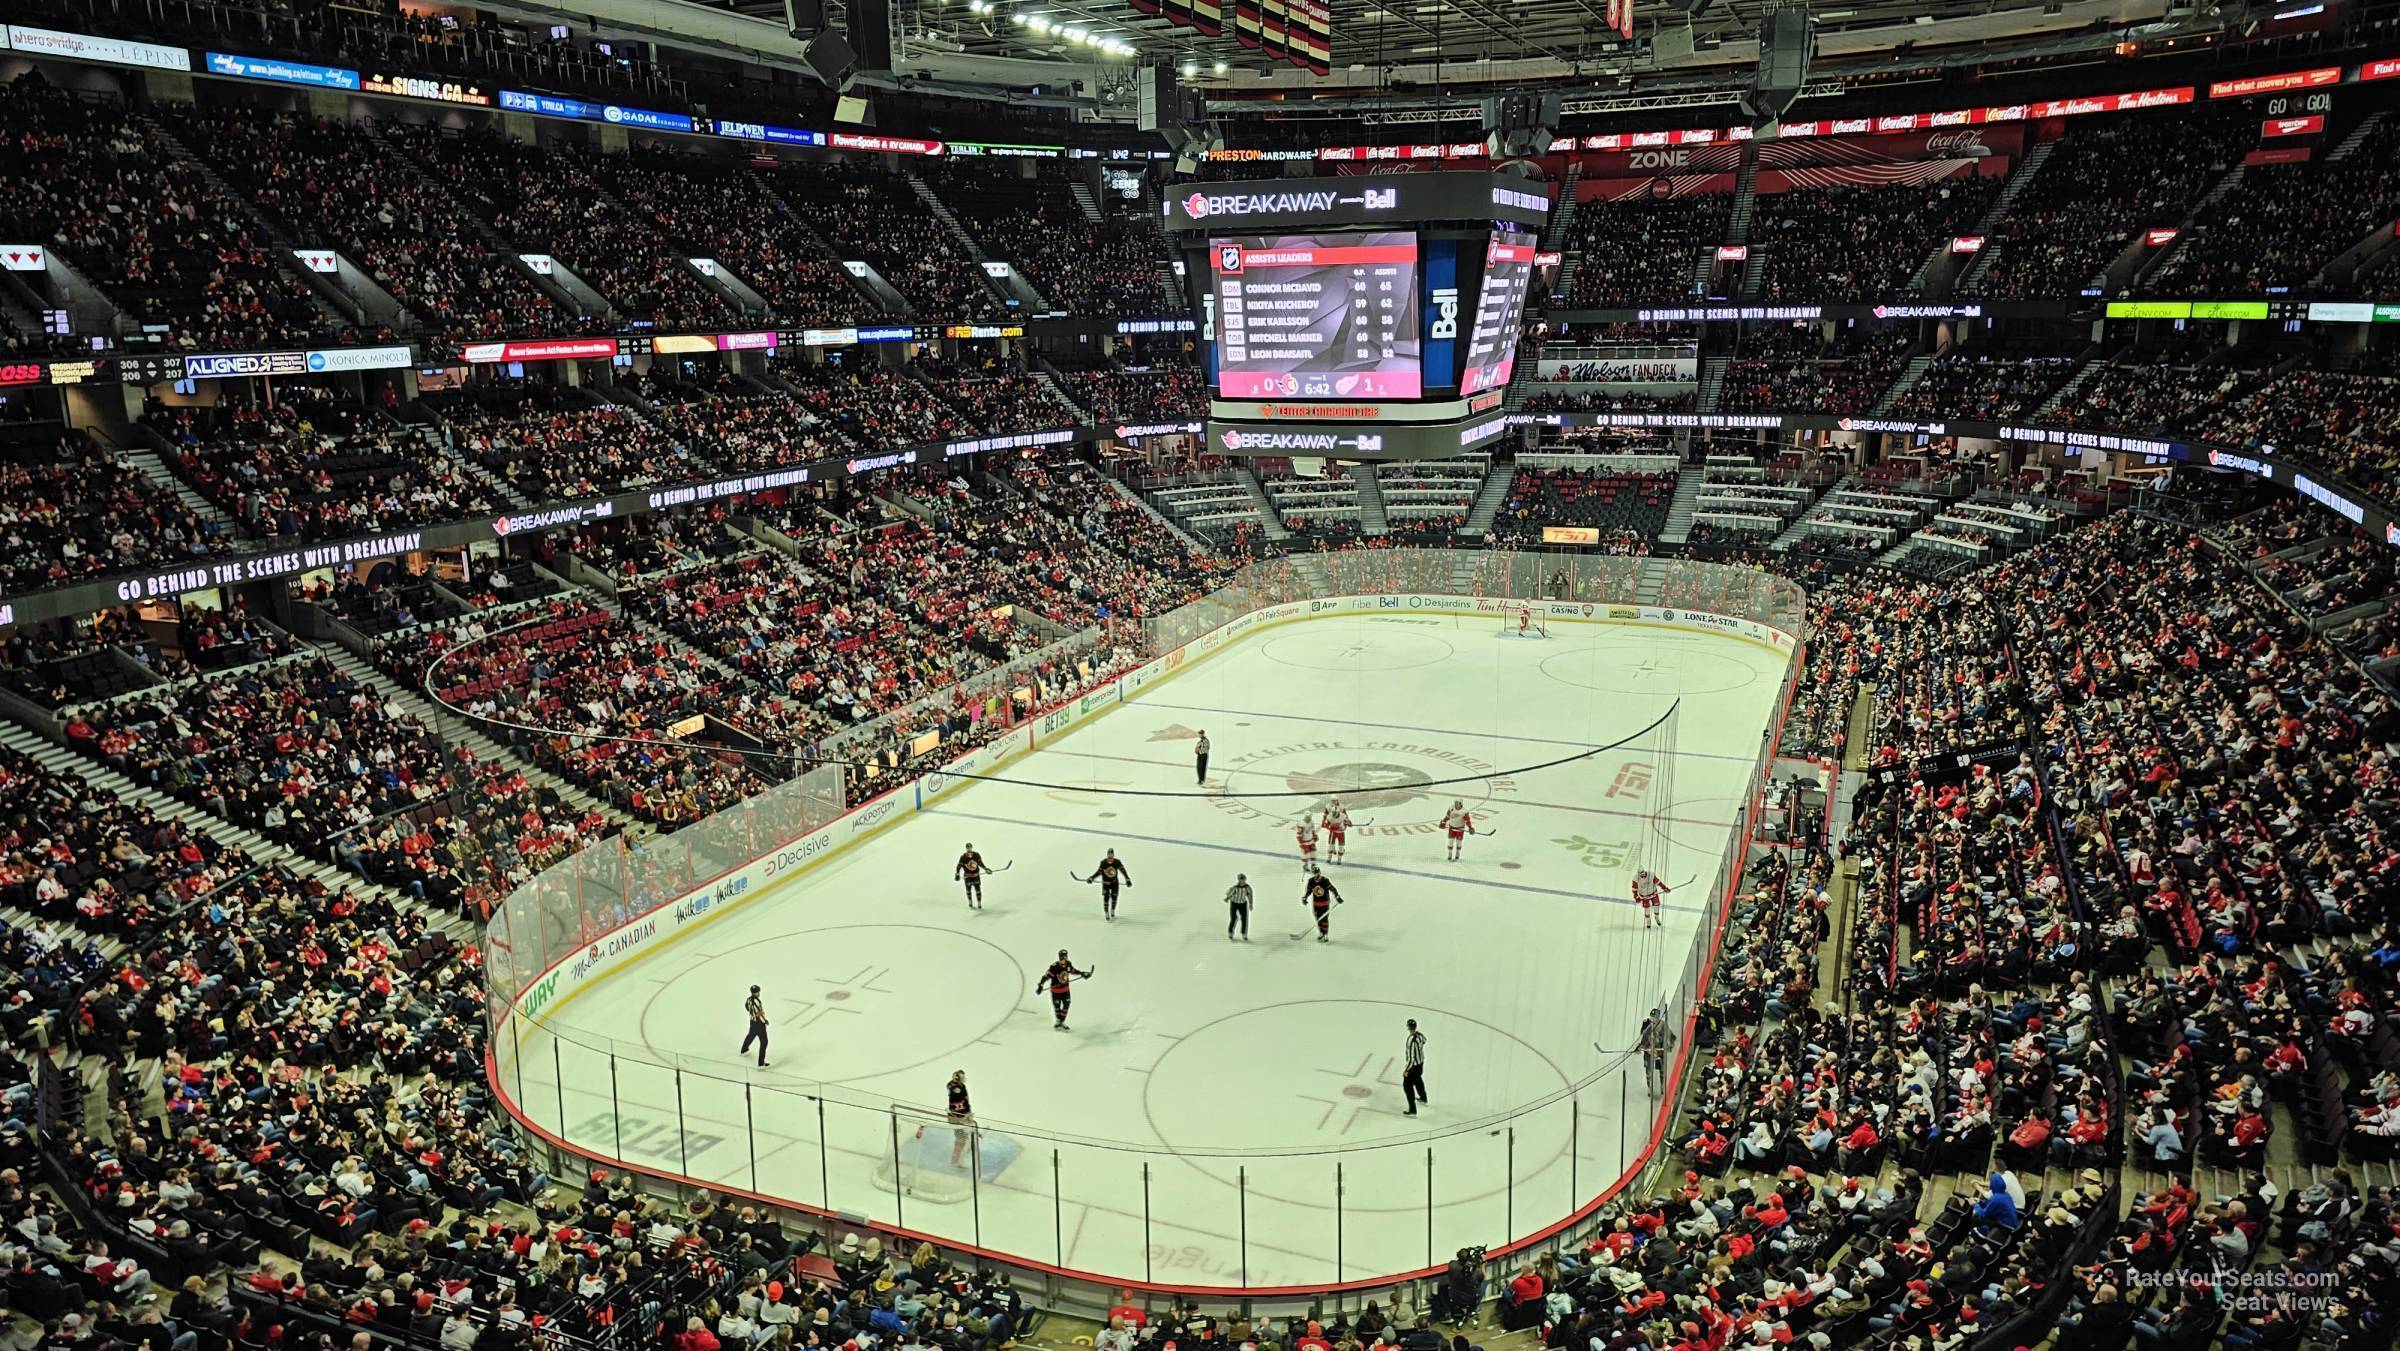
[1403, 727]
[1279, 856]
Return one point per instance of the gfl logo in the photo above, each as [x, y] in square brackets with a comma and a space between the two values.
[1445, 313]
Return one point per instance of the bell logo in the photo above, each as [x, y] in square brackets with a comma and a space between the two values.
[1382, 199]
[1445, 313]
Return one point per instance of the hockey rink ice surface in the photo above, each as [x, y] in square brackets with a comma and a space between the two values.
[1257, 1082]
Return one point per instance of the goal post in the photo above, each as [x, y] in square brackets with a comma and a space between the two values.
[1535, 624]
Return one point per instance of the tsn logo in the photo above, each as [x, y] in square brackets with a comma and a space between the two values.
[1445, 313]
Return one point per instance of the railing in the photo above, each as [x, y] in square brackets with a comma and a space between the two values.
[1266, 1223]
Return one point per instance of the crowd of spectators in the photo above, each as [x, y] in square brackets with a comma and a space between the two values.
[2102, 186]
[547, 201]
[993, 396]
[1642, 250]
[329, 185]
[1794, 370]
[2286, 221]
[588, 696]
[2349, 423]
[875, 407]
[1860, 241]
[1109, 266]
[146, 225]
[733, 423]
[70, 509]
[552, 444]
[713, 210]
[1612, 500]
[1120, 396]
[311, 466]
[1546, 398]
[2145, 397]
[871, 214]
[1985, 386]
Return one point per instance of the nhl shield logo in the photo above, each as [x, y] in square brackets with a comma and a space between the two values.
[1229, 257]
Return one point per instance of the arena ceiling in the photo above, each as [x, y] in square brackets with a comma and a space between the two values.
[1387, 51]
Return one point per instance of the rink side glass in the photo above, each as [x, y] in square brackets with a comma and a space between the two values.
[1295, 1224]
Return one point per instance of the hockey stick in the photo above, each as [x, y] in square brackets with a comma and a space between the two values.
[1008, 865]
[1071, 873]
[1688, 881]
[1494, 831]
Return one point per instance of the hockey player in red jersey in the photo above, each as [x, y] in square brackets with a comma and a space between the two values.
[1337, 830]
[1306, 834]
[1646, 891]
[1458, 823]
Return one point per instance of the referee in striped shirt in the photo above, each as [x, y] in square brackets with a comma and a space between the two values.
[1412, 1073]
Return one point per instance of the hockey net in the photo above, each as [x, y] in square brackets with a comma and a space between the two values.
[1536, 624]
[936, 1160]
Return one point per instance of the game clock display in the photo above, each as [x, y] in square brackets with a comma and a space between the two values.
[1317, 316]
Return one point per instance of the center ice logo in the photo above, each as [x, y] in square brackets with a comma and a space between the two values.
[1395, 777]
[1372, 784]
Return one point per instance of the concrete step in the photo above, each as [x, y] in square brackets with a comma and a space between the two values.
[1270, 520]
[1372, 519]
[1489, 498]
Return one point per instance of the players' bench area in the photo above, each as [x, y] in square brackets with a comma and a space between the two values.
[588, 920]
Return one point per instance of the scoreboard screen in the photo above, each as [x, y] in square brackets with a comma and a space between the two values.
[1499, 312]
[1331, 316]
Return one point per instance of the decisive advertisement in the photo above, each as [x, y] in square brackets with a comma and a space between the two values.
[1317, 316]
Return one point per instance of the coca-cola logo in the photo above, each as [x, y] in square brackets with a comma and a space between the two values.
[1955, 143]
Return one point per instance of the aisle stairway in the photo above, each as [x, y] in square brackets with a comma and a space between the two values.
[1492, 496]
[154, 469]
[1963, 283]
[1371, 517]
[1686, 504]
[1162, 518]
[1712, 383]
[1907, 380]
[1269, 517]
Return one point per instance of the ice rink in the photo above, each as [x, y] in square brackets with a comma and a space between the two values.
[1221, 1112]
